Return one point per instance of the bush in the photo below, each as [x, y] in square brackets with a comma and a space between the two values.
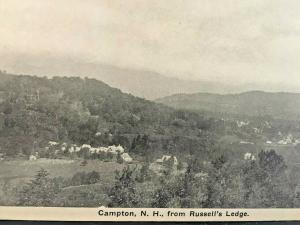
[83, 178]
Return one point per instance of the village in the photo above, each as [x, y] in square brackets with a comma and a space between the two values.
[113, 153]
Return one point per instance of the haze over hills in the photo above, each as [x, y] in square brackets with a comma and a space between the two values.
[141, 83]
[255, 103]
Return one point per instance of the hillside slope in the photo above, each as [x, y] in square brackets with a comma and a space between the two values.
[34, 110]
[255, 103]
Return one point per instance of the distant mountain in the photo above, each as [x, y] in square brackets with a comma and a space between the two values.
[255, 103]
[141, 83]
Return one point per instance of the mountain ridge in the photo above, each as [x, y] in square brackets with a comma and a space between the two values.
[282, 105]
[139, 82]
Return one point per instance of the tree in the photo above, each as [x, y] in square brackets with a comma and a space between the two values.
[223, 184]
[185, 191]
[40, 191]
[266, 182]
[275, 186]
[272, 163]
[140, 145]
[92, 177]
[119, 158]
[81, 178]
[123, 194]
[164, 196]
[144, 173]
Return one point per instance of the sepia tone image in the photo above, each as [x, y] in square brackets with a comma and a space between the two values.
[150, 103]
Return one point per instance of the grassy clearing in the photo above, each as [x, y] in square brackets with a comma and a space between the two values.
[56, 167]
[16, 173]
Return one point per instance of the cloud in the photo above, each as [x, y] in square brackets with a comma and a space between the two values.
[230, 40]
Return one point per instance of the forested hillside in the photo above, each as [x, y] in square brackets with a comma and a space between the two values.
[35, 110]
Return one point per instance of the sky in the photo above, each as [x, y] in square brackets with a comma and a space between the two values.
[219, 40]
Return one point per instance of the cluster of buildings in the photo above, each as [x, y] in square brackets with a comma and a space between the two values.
[109, 152]
[286, 140]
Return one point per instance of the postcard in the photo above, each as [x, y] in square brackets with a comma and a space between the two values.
[147, 110]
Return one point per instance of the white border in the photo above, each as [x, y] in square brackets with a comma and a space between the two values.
[92, 214]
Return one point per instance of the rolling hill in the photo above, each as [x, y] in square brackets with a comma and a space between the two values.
[128, 80]
[142, 83]
[34, 110]
[255, 103]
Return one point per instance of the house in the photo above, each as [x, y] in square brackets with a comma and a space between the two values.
[86, 146]
[126, 158]
[101, 149]
[159, 161]
[93, 150]
[98, 134]
[282, 142]
[53, 143]
[164, 163]
[242, 123]
[120, 149]
[32, 158]
[249, 156]
[246, 143]
[115, 149]
[257, 130]
[167, 158]
[71, 149]
[290, 139]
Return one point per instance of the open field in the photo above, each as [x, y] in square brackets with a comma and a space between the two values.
[16, 173]
[56, 167]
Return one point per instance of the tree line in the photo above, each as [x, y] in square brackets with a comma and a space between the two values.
[261, 183]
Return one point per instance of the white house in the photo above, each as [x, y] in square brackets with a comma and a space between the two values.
[282, 142]
[126, 158]
[246, 143]
[101, 149]
[249, 156]
[71, 149]
[32, 158]
[120, 149]
[242, 123]
[53, 143]
[86, 146]
[166, 158]
[98, 134]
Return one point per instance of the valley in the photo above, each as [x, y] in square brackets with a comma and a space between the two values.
[68, 141]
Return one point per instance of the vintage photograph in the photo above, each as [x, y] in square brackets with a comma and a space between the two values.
[150, 103]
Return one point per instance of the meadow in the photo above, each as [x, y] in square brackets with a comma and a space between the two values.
[14, 174]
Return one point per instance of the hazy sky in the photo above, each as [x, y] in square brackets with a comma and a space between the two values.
[244, 40]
